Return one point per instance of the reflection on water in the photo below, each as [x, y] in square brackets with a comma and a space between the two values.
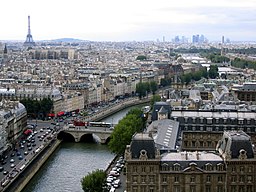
[68, 165]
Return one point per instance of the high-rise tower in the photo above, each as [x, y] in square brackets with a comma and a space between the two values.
[29, 40]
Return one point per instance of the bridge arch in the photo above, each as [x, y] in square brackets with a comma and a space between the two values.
[65, 136]
[87, 137]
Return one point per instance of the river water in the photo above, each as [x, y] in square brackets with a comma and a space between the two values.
[71, 162]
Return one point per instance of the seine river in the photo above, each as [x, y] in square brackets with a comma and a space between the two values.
[71, 162]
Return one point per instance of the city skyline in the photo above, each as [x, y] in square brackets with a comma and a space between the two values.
[128, 20]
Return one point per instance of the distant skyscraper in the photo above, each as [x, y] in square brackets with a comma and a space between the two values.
[223, 40]
[163, 38]
[29, 39]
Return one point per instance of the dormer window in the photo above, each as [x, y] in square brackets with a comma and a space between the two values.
[176, 167]
[208, 167]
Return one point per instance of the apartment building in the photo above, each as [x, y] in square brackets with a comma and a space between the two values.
[229, 169]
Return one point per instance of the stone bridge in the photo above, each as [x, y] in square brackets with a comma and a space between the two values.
[103, 134]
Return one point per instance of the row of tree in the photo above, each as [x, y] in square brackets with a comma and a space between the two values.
[144, 88]
[216, 57]
[121, 136]
[242, 63]
[133, 122]
[38, 108]
[212, 73]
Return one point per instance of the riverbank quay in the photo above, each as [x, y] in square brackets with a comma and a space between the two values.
[116, 108]
[31, 168]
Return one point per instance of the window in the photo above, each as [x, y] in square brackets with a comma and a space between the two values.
[143, 188]
[220, 178]
[220, 188]
[151, 189]
[165, 167]
[208, 167]
[134, 179]
[250, 169]
[208, 178]
[143, 169]
[134, 168]
[241, 169]
[176, 188]
[233, 169]
[241, 178]
[192, 179]
[151, 179]
[176, 179]
[176, 167]
[220, 167]
[164, 179]
[233, 178]
[233, 188]
[192, 188]
[143, 178]
[249, 178]
[164, 188]
[207, 188]
[135, 189]
[151, 169]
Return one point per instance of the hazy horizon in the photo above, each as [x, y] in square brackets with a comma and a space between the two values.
[131, 20]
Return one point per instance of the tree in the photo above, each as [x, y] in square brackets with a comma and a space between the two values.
[122, 134]
[141, 57]
[213, 72]
[94, 181]
[35, 107]
[153, 87]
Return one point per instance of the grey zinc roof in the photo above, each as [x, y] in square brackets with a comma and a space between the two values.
[184, 159]
[234, 141]
[166, 133]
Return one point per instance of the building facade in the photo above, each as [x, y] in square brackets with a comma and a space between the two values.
[226, 170]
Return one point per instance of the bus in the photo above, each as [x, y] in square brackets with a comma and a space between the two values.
[100, 124]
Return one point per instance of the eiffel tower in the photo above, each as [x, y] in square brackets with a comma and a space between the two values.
[29, 40]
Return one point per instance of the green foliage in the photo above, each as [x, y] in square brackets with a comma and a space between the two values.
[216, 58]
[35, 107]
[94, 181]
[187, 78]
[121, 136]
[165, 82]
[141, 57]
[242, 63]
[213, 72]
[153, 87]
[143, 88]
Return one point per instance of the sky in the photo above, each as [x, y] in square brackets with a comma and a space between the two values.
[128, 20]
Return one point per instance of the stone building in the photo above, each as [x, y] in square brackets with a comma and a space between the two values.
[13, 121]
[231, 168]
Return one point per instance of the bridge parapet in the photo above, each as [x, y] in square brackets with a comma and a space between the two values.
[77, 133]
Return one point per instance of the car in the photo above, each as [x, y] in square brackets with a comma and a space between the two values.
[13, 154]
[20, 157]
[34, 144]
[29, 145]
[41, 130]
[22, 147]
[30, 148]
[12, 160]
[18, 153]
[3, 162]
[1, 169]
[25, 152]
[12, 165]
[5, 172]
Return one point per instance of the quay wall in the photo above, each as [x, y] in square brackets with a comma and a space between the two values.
[33, 167]
[114, 109]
